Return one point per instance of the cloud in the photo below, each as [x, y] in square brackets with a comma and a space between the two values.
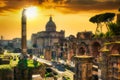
[2, 4]
[12, 5]
[65, 6]
[96, 5]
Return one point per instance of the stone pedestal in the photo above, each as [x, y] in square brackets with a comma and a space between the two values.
[114, 67]
[83, 67]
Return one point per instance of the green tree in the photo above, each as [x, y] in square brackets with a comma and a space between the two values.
[105, 18]
[114, 29]
[95, 19]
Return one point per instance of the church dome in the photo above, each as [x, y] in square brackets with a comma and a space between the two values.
[50, 26]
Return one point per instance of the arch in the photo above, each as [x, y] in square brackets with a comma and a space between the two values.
[95, 48]
[82, 48]
[115, 49]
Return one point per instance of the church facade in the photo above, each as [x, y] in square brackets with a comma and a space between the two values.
[46, 39]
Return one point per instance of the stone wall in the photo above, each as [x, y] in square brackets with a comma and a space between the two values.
[114, 67]
[26, 74]
[6, 74]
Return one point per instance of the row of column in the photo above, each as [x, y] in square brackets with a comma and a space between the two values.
[109, 65]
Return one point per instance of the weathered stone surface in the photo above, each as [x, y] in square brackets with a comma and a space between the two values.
[83, 68]
[36, 77]
[114, 67]
[26, 74]
[6, 75]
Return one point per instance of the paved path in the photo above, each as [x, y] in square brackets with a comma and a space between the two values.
[43, 61]
[67, 73]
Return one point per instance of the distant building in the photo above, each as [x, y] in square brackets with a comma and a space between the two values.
[47, 39]
[85, 35]
[4, 43]
[16, 42]
[11, 45]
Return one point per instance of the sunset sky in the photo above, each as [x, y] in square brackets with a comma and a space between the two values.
[69, 15]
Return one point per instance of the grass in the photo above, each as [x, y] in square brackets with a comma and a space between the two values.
[5, 67]
[1, 55]
[14, 61]
[27, 65]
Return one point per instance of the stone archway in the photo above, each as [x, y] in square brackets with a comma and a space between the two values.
[95, 48]
[115, 49]
[82, 48]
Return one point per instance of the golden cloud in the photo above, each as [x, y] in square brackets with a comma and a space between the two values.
[65, 6]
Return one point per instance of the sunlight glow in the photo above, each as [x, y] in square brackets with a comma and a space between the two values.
[31, 12]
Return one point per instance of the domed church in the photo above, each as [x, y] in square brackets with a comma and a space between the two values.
[50, 26]
[46, 39]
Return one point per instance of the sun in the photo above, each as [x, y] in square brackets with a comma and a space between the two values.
[31, 12]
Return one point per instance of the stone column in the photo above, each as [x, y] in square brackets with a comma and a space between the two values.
[47, 55]
[103, 64]
[83, 67]
[114, 67]
[23, 34]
